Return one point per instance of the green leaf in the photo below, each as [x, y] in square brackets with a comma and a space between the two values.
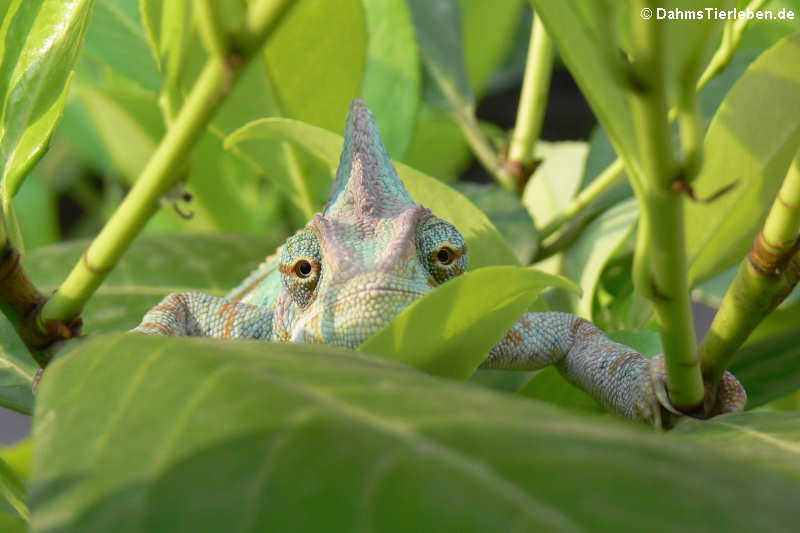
[437, 146]
[39, 197]
[391, 84]
[486, 246]
[154, 267]
[12, 495]
[10, 523]
[17, 368]
[316, 60]
[117, 37]
[752, 145]
[485, 51]
[157, 434]
[549, 386]
[769, 363]
[438, 28]
[588, 256]
[507, 213]
[127, 121]
[18, 456]
[769, 439]
[39, 41]
[556, 180]
[449, 331]
[582, 32]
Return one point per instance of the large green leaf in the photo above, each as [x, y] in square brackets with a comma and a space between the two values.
[118, 38]
[154, 267]
[556, 180]
[507, 213]
[391, 84]
[17, 368]
[438, 147]
[12, 498]
[486, 246]
[771, 439]
[316, 60]
[751, 140]
[769, 364]
[127, 121]
[449, 331]
[39, 41]
[438, 29]
[136, 433]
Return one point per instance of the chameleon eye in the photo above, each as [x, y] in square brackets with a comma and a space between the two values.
[445, 255]
[441, 249]
[302, 269]
[301, 266]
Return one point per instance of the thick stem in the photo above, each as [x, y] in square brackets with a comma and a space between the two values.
[212, 86]
[765, 278]
[669, 290]
[533, 97]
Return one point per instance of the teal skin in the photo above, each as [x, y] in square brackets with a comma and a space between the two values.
[373, 251]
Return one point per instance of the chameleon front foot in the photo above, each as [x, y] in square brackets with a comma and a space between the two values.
[728, 396]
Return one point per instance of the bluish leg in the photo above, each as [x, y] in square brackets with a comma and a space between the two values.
[619, 378]
[195, 314]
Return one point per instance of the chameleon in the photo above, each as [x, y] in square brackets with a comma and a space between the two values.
[370, 253]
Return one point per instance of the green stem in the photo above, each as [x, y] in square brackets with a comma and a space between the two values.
[691, 125]
[765, 278]
[669, 282]
[209, 24]
[207, 95]
[533, 97]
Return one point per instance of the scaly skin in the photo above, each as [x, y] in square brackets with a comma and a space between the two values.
[373, 251]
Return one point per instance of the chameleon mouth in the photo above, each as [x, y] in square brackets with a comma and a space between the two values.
[341, 323]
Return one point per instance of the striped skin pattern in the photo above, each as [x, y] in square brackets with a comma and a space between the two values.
[372, 252]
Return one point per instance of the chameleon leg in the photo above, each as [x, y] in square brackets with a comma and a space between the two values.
[194, 314]
[619, 378]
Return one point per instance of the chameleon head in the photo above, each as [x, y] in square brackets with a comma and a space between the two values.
[370, 253]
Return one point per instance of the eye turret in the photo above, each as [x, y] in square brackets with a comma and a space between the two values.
[441, 249]
[301, 266]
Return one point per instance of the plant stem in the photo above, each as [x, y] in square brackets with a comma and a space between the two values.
[207, 95]
[533, 97]
[766, 276]
[209, 24]
[691, 125]
[669, 284]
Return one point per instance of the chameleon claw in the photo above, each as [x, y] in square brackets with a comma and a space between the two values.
[727, 397]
